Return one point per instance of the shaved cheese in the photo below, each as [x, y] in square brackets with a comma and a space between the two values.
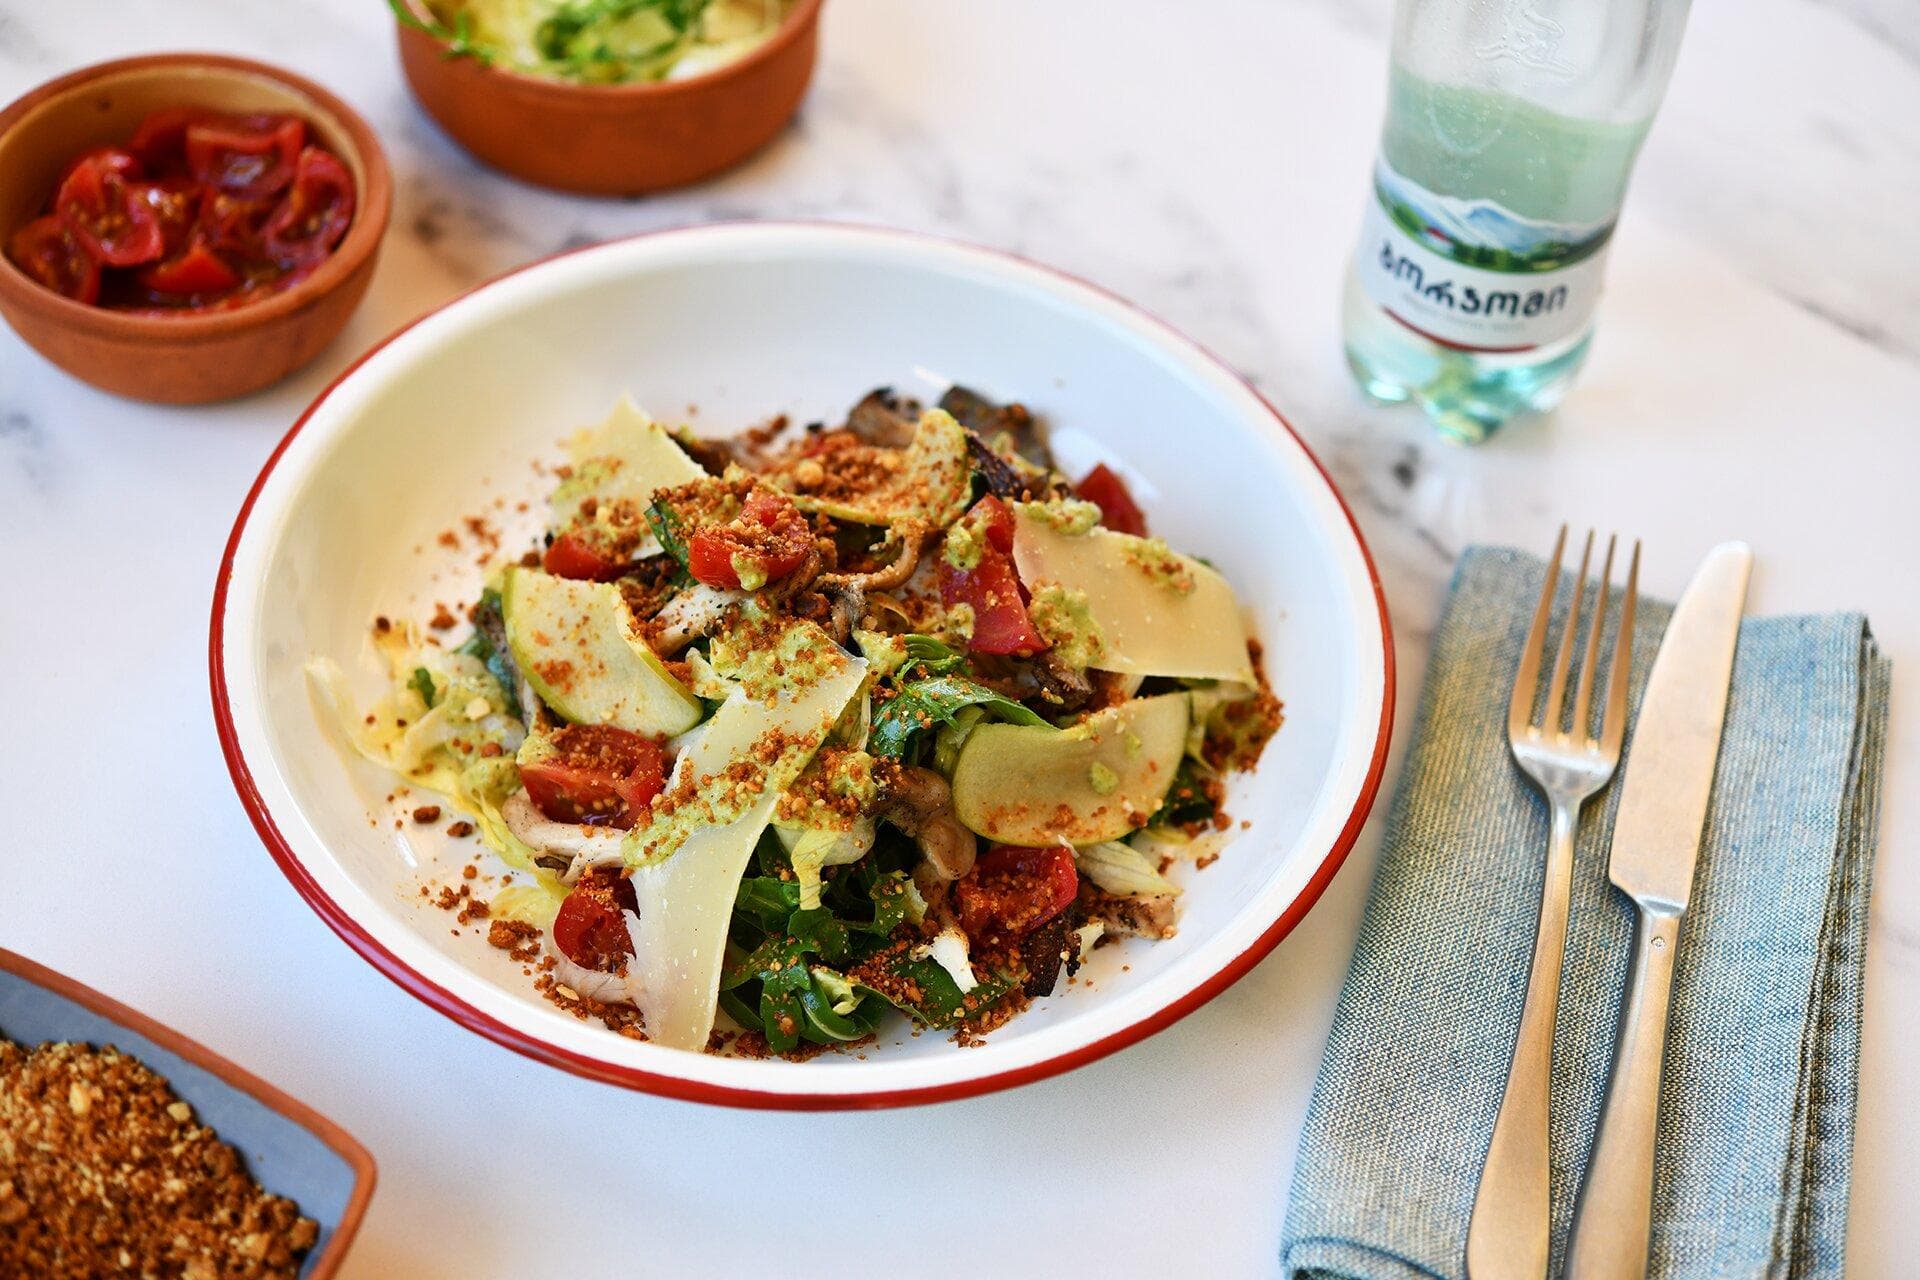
[628, 457]
[1159, 613]
[688, 861]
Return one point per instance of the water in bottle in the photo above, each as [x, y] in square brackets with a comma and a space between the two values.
[1512, 127]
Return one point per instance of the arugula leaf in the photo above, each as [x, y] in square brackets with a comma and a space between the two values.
[928, 703]
[941, 1004]
[458, 37]
[422, 684]
[672, 533]
[1187, 800]
[766, 902]
[499, 663]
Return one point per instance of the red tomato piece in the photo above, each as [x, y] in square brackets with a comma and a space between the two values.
[314, 214]
[197, 270]
[1012, 891]
[251, 156]
[769, 535]
[176, 203]
[110, 159]
[589, 928]
[233, 225]
[161, 140]
[1103, 487]
[572, 556]
[45, 251]
[596, 774]
[108, 215]
[991, 588]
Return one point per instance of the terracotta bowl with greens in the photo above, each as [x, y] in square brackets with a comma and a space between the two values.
[609, 98]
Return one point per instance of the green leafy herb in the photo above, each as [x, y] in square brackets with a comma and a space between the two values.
[941, 1003]
[1187, 800]
[458, 37]
[784, 972]
[672, 533]
[927, 702]
[422, 684]
[499, 664]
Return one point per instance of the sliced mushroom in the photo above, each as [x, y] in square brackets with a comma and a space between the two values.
[882, 418]
[575, 846]
[920, 803]
[697, 611]
[1141, 917]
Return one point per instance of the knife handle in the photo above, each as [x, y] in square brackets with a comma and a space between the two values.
[1612, 1224]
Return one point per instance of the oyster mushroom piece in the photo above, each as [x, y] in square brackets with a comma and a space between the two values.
[695, 612]
[579, 847]
[920, 803]
[880, 418]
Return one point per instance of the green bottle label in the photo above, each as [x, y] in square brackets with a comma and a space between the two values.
[1473, 275]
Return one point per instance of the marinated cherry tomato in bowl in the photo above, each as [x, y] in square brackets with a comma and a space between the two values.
[47, 251]
[198, 211]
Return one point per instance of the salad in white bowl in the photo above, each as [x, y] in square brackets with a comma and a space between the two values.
[786, 734]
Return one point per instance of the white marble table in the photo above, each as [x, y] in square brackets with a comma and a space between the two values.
[1755, 376]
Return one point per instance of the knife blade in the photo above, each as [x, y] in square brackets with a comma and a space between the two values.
[1656, 842]
[1676, 740]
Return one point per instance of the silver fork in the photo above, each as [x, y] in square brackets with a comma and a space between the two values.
[1508, 1236]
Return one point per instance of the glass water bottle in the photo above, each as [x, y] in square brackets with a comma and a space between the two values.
[1512, 127]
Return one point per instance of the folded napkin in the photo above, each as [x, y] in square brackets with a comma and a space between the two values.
[1757, 1101]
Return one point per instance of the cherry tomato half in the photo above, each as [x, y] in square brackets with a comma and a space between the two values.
[769, 535]
[1118, 511]
[251, 156]
[991, 588]
[1012, 891]
[111, 159]
[596, 774]
[108, 215]
[589, 928]
[314, 214]
[47, 252]
[232, 225]
[161, 139]
[197, 270]
[572, 556]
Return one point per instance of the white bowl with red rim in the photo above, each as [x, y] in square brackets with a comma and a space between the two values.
[727, 325]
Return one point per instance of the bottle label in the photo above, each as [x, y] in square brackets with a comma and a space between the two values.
[1471, 274]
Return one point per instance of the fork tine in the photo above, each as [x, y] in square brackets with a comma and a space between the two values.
[1526, 681]
[1557, 691]
[1613, 725]
[1583, 696]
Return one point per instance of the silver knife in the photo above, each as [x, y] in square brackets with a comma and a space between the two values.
[1656, 841]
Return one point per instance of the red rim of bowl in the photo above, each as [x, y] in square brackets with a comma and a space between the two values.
[343, 1144]
[410, 980]
[802, 14]
[362, 238]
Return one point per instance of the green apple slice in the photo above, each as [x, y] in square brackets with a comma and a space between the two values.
[1098, 780]
[577, 645]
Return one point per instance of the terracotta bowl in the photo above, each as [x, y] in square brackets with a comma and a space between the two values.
[290, 1149]
[614, 139]
[186, 359]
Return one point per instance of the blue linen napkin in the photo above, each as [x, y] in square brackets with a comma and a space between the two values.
[1757, 1100]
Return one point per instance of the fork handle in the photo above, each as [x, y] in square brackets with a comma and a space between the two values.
[1508, 1236]
[1612, 1224]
